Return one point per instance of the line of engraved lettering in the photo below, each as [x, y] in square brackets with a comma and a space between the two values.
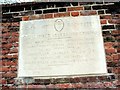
[60, 34]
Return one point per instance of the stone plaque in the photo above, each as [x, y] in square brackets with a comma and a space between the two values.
[61, 47]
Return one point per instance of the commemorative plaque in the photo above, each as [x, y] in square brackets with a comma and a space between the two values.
[61, 47]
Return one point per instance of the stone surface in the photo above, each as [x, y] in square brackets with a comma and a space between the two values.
[61, 47]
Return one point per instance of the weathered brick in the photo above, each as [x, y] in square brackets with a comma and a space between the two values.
[10, 81]
[4, 41]
[85, 13]
[14, 34]
[48, 16]
[5, 29]
[33, 86]
[50, 86]
[5, 52]
[9, 56]
[11, 40]
[13, 69]
[74, 13]
[9, 75]
[3, 81]
[115, 70]
[6, 24]
[109, 58]
[62, 14]
[67, 85]
[7, 46]
[15, 24]
[15, 56]
[77, 85]
[118, 50]
[15, 50]
[117, 38]
[6, 35]
[75, 8]
[115, 56]
[15, 44]
[2, 57]
[114, 21]
[108, 84]
[33, 17]
[105, 17]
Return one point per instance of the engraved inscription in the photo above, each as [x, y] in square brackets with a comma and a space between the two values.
[61, 46]
[59, 25]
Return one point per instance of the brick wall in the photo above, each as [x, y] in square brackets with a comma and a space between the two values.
[109, 13]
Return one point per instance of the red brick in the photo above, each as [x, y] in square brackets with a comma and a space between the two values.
[7, 46]
[33, 17]
[5, 52]
[77, 85]
[3, 81]
[4, 69]
[108, 44]
[15, 56]
[9, 56]
[93, 85]
[105, 16]
[116, 44]
[115, 70]
[15, 44]
[5, 87]
[75, 8]
[15, 24]
[103, 21]
[9, 63]
[4, 62]
[13, 69]
[50, 86]
[9, 75]
[115, 56]
[33, 86]
[10, 81]
[62, 14]
[1, 63]
[1, 35]
[117, 37]
[25, 18]
[4, 41]
[63, 85]
[110, 50]
[114, 21]
[15, 34]
[4, 30]
[15, 50]
[74, 13]
[117, 82]
[6, 24]
[2, 57]
[109, 57]
[6, 35]
[119, 55]
[48, 16]
[11, 40]
[108, 84]
[85, 13]
[118, 50]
